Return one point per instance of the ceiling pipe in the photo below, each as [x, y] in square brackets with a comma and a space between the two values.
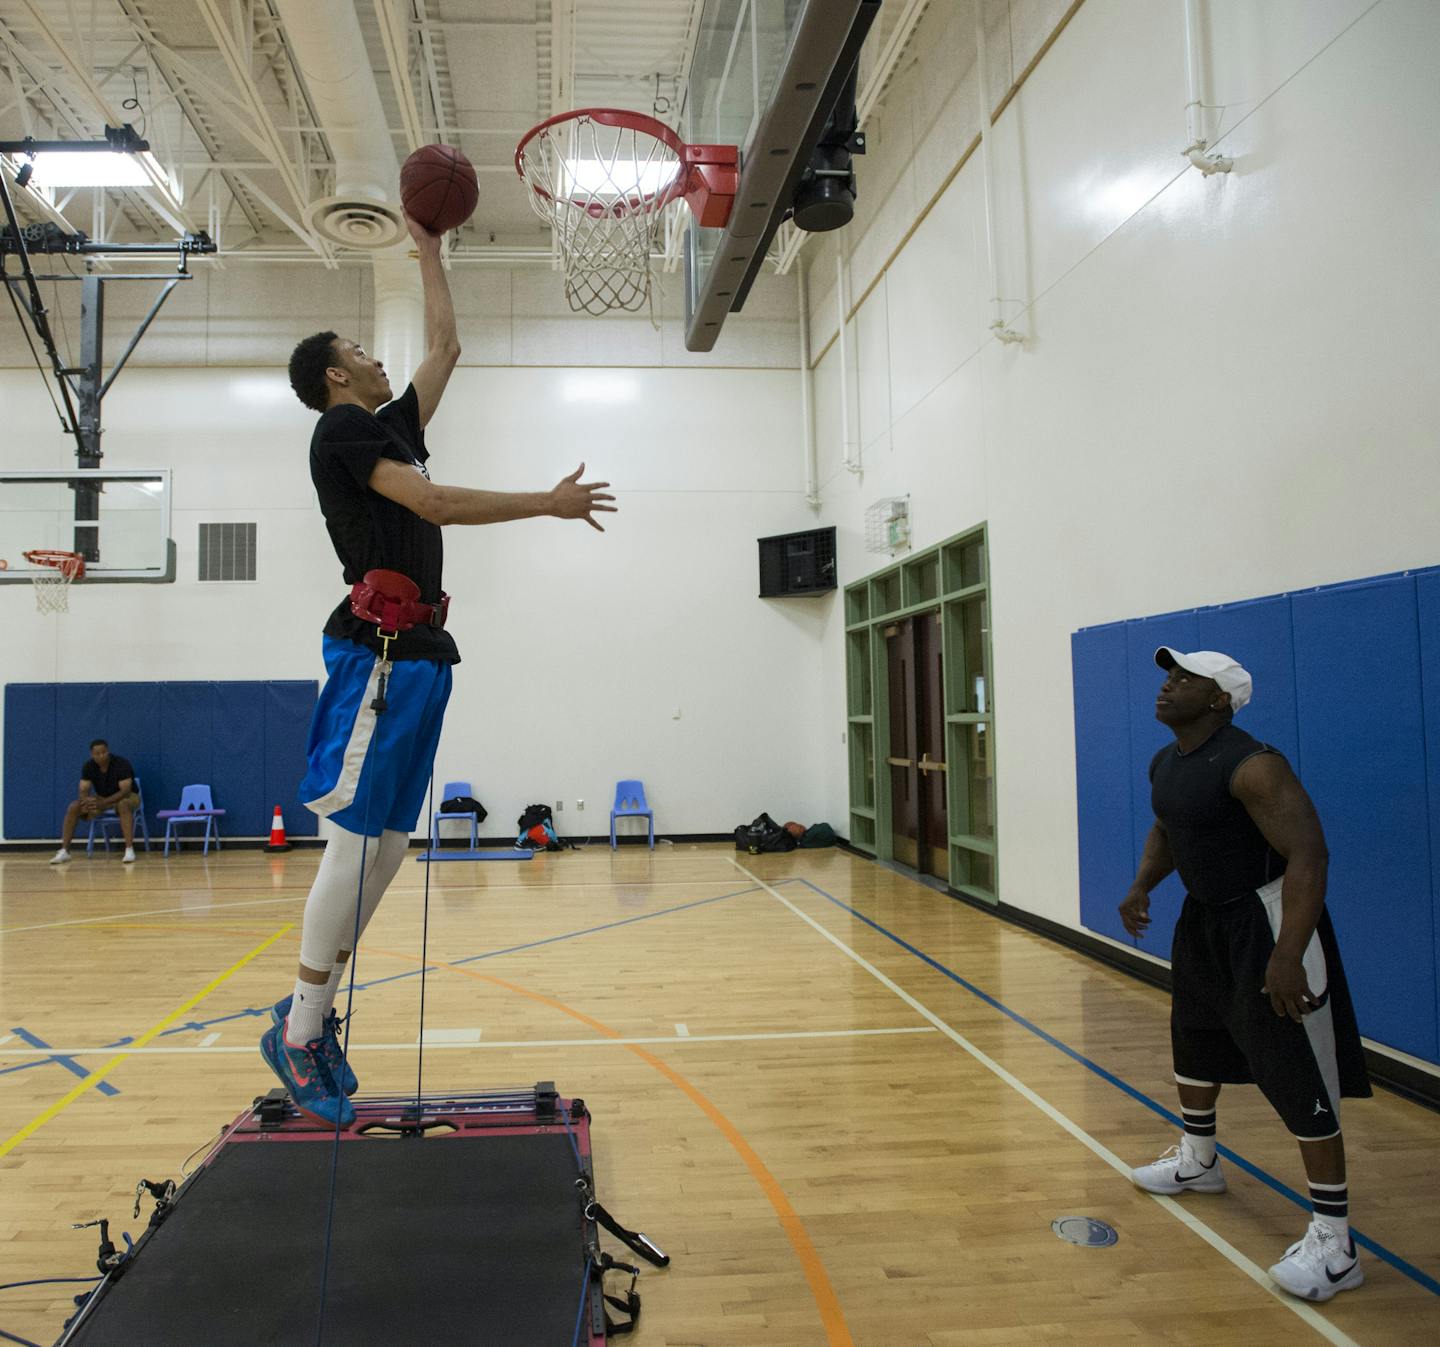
[999, 329]
[328, 48]
[1195, 151]
[807, 393]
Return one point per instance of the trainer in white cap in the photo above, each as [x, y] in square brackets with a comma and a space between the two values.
[1228, 675]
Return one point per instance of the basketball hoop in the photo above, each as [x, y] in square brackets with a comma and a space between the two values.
[52, 579]
[602, 178]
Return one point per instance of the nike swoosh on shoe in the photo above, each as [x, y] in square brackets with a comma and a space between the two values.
[1336, 1277]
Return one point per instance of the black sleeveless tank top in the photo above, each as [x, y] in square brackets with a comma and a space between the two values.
[1218, 850]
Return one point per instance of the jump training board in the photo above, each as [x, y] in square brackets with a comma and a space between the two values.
[468, 1228]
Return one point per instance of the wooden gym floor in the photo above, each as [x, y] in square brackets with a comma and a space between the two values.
[838, 1138]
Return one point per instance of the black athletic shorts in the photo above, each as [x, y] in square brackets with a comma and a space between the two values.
[1223, 1029]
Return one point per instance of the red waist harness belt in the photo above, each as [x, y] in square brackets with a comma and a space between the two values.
[392, 602]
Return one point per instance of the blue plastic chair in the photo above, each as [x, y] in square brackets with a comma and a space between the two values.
[630, 803]
[110, 819]
[196, 806]
[453, 789]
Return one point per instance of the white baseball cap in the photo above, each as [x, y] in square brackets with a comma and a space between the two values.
[1228, 675]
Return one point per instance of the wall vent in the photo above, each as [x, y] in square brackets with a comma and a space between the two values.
[227, 551]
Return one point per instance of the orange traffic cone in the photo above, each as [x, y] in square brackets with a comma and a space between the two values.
[277, 833]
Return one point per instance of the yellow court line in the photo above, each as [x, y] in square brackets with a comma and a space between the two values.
[99, 1074]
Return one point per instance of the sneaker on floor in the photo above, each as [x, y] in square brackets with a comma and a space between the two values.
[60, 857]
[129, 857]
[303, 1072]
[332, 1053]
[1317, 1267]
[1178, 1171]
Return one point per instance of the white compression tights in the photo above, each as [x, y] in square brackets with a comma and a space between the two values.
[330, 910]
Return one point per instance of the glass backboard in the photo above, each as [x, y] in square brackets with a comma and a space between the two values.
[119, 521]
[764, 77]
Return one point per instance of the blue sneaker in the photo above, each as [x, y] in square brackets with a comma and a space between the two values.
[334, 1057]
[303, 1072]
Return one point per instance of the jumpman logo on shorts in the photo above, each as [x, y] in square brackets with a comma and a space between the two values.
[1319, 1109]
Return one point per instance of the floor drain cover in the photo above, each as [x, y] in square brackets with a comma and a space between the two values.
[1085, 1230]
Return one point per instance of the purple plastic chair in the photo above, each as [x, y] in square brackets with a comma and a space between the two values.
[196, 806]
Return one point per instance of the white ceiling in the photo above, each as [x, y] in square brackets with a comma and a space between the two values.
[214, 87]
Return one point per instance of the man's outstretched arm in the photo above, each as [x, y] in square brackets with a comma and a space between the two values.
[570, 498]
[442, 342]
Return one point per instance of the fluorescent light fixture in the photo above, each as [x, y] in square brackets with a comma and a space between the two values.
[89, 168]
[617, 178]
[600, 388]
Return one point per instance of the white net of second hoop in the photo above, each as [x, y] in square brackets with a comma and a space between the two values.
[603, 190]
[52, 591]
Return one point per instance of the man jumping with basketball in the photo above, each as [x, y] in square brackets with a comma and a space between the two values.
[1259, 992]
[368, 771]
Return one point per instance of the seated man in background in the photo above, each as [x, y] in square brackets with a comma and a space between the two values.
[107, 781]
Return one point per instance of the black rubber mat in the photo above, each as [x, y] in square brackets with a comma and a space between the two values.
[446, 1239]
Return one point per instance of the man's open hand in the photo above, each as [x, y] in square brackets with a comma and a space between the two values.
[573, 499]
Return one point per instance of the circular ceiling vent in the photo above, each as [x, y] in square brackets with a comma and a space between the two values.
[354, 223]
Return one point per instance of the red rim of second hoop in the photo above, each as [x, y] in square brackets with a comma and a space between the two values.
[622, 117]
[70, 564]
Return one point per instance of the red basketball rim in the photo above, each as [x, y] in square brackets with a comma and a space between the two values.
[622, 117]
[69, 564]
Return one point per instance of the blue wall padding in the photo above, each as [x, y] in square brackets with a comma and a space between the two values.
[1427, 595]
[1357, 677]
[1347, 682]
[30, 760]
[245, 740]
[289, 708]
[1102, 761]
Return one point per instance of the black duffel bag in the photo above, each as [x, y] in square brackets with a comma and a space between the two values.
[763, 835]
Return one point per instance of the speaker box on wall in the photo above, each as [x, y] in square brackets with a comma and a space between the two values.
[793, 564]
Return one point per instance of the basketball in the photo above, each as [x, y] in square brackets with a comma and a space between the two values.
[438, 187]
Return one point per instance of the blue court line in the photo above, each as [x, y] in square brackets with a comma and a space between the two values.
[1379, 1250]
[254, 1012]
[609, 926]
[69, 1063]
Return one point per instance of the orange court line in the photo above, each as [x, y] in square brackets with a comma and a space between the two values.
[837, 1333]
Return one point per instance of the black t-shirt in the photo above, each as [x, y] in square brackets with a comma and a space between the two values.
[1217, 848]
[370, 531]
[106, 783]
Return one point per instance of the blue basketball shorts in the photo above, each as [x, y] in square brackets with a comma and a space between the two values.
[369, 771]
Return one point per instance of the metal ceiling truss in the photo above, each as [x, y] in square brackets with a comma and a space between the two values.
[233, 126]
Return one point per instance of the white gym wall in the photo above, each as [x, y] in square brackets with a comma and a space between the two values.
[1228, 385]
[578, 649]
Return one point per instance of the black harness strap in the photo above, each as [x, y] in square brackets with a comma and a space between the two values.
[628, 1304]
[633, 1239]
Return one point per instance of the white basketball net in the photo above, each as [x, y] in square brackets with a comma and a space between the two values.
[603, 190]
[52, 592]
[52, 586]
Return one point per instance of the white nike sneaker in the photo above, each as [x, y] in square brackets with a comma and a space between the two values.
[1178, 1171]
[1316, 1267]
[129, 858]
[60, 857]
